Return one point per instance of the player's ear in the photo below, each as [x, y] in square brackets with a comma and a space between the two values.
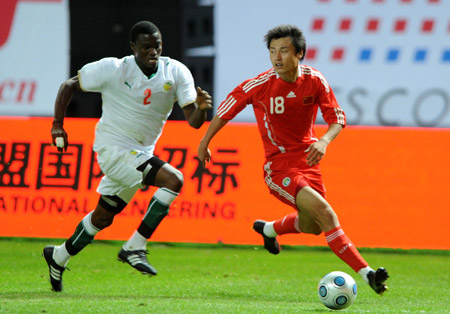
[133, 46]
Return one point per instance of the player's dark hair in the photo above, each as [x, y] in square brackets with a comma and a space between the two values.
[143, 27]
[296, 34]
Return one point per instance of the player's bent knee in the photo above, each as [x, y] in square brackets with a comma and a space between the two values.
[149, 170]
[322, 211]
[325, 217]
[108, 207]
[174, 181]
[112, 203]
[329, 214]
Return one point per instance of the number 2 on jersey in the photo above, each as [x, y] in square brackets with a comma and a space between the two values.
[276, 105]
[147, 94]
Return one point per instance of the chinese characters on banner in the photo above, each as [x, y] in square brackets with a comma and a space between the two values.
[368, 172]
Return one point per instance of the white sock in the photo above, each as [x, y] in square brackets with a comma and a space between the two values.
[165, 196]
[363, 273]
[136, 242]
[269, 231]
[60, 255]
[87, 223]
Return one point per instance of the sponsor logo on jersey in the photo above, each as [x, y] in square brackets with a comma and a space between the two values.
[128, 84]
[167, 87]
[286, 181]
[291, 95]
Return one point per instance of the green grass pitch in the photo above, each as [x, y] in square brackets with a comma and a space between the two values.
[214, 279]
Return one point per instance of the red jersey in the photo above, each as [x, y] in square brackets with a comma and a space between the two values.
[285, 112]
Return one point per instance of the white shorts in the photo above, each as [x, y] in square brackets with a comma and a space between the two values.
[119, 168]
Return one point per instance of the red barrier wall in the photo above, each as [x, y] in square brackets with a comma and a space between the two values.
[388, 185]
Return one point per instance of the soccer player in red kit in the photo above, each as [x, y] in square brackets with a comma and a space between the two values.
[285, 101]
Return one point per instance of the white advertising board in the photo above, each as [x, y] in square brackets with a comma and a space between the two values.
[34, 55]
[388, 61]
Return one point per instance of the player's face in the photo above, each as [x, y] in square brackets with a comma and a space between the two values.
[284, 58]
[147, 50]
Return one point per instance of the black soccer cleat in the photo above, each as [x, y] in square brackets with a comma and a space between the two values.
[55, 270]
[270, 244]
[138, 260]
[377, 279]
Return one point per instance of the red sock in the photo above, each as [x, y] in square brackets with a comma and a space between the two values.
[341, 245]
[287, 224]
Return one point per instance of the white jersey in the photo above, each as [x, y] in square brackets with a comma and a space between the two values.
[135, 107]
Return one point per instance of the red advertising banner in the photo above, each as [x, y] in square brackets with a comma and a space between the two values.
[388, 185]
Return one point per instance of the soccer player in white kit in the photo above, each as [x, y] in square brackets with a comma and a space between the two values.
[138, 94]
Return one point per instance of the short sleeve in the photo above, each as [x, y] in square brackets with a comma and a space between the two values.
[93, 76]
[186, 92]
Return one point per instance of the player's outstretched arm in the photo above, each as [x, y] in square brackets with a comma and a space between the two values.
[65, 94]
[204, 155]
[196, 113]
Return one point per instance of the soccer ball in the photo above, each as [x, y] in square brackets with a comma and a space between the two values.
[337, 290]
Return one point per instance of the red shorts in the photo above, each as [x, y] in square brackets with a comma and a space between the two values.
[286, 174]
